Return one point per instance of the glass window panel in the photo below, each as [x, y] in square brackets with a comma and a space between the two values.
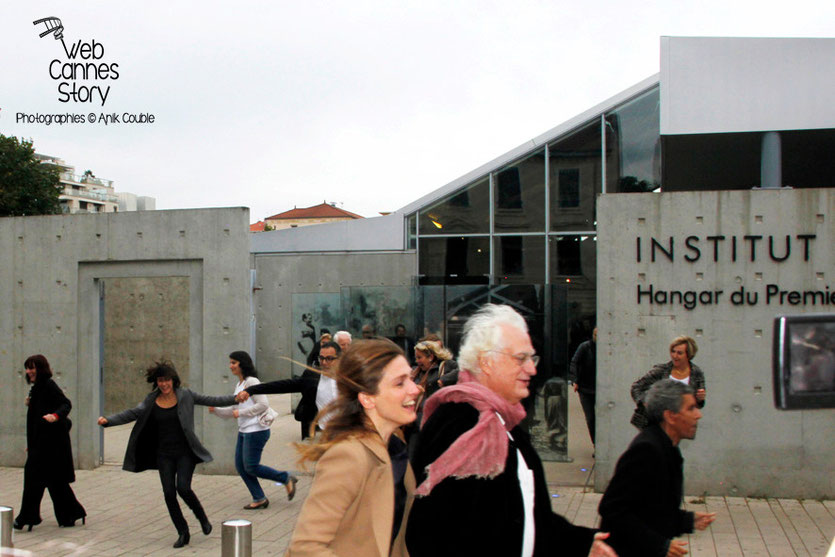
[458, 260]
[411, 238]
[465, 212]
[633, 145]
[807, 158]
[711, 161]
[573, 258]
[575, 174]
[519, 259]
[520, 196]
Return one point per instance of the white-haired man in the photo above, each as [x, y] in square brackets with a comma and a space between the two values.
[482, 487]
[343, 339]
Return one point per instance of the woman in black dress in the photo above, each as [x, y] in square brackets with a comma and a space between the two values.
[163, 438]
[49, 461]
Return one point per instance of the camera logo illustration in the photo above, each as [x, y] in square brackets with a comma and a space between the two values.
[84, 63]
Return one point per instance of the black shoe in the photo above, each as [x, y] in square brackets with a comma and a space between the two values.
[260, 505]
[291, 487]
[71, 523]
[206, 526]
[182, 540]
[19, 524]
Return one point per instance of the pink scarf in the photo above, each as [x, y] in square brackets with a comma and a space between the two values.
[481, 451]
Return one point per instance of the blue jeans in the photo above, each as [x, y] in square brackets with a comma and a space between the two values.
[248, 462]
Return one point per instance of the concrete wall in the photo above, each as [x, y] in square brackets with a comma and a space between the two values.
[744, 445]
[279, 276]
[51, 276]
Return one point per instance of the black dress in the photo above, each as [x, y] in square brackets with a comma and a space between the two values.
[49, 462]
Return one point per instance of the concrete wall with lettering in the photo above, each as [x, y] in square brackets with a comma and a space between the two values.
[717, 266]
[55, 299]
[279, 276]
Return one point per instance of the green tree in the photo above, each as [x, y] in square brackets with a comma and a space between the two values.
[27, 187]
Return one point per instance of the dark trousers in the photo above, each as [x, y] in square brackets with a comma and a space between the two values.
[66, 506]
[587, 401]
[306, 428]
[175, 474]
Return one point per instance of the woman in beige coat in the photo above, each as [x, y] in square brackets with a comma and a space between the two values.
[362, 490]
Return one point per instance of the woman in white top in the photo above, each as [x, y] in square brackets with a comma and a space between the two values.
[252, 436]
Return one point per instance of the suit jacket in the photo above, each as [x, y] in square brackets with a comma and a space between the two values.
[641, 505]
[350, 508]
[307, 384]
[484, 516]
[141, 453]
[49, 451]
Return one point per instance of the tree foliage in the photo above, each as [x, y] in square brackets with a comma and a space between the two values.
[27, 187]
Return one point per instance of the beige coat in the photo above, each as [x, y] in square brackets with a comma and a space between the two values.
[351, 504]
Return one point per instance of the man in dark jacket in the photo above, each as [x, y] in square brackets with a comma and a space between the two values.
[641, 505]
[583, 373]
[307, 384]
[482, 487]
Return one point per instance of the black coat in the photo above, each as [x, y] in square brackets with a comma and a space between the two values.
[583, 369]
[641, 506]
[49, 451]
[141, 453]
[307, 384]
[473, 516]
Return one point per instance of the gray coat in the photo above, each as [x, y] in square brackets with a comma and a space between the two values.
[141, 453]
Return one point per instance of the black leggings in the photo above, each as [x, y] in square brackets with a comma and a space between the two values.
[175, 474]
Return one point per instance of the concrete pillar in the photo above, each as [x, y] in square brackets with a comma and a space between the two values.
[771, 161]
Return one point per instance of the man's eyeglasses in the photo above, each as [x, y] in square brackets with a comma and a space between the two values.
[328, 358]
[521, 358]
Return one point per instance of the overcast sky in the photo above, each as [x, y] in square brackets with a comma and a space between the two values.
[275, 105]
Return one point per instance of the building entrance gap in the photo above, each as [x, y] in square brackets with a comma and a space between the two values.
[136, 313]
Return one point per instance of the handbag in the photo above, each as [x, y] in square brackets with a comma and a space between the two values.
[268, 417]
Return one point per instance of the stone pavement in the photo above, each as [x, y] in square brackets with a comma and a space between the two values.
[127, 516]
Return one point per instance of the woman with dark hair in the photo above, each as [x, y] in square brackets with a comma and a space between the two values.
[252, 434]
[362, 490]
[680, 368]
[164, 438]
[49, 452]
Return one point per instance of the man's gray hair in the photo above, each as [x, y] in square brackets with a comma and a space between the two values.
[665, 395]
[341, 334]
[483, 332]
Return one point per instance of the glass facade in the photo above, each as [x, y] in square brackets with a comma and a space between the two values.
[465, 212]
[524, 235]
[633, 145]
[519, 193]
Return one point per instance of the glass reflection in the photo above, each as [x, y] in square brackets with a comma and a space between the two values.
[457, 260]
[633, 145]
[519, 259]
[520, 196]
[575, 178]
[465, 212]
[573, 256]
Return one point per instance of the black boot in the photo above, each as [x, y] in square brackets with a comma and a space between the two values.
[184, 538]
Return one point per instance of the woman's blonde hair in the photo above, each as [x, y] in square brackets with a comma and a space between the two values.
[434, 349]
[690, 345]
[360, 371]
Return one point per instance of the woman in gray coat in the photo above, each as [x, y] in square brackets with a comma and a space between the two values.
[164, 438]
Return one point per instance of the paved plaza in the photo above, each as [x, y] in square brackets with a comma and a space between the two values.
[127, 515]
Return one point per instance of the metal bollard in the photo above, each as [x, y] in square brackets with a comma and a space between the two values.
[236, 538]
[6, 520]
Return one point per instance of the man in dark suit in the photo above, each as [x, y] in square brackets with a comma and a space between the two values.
[641, 506]
[307, 384]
